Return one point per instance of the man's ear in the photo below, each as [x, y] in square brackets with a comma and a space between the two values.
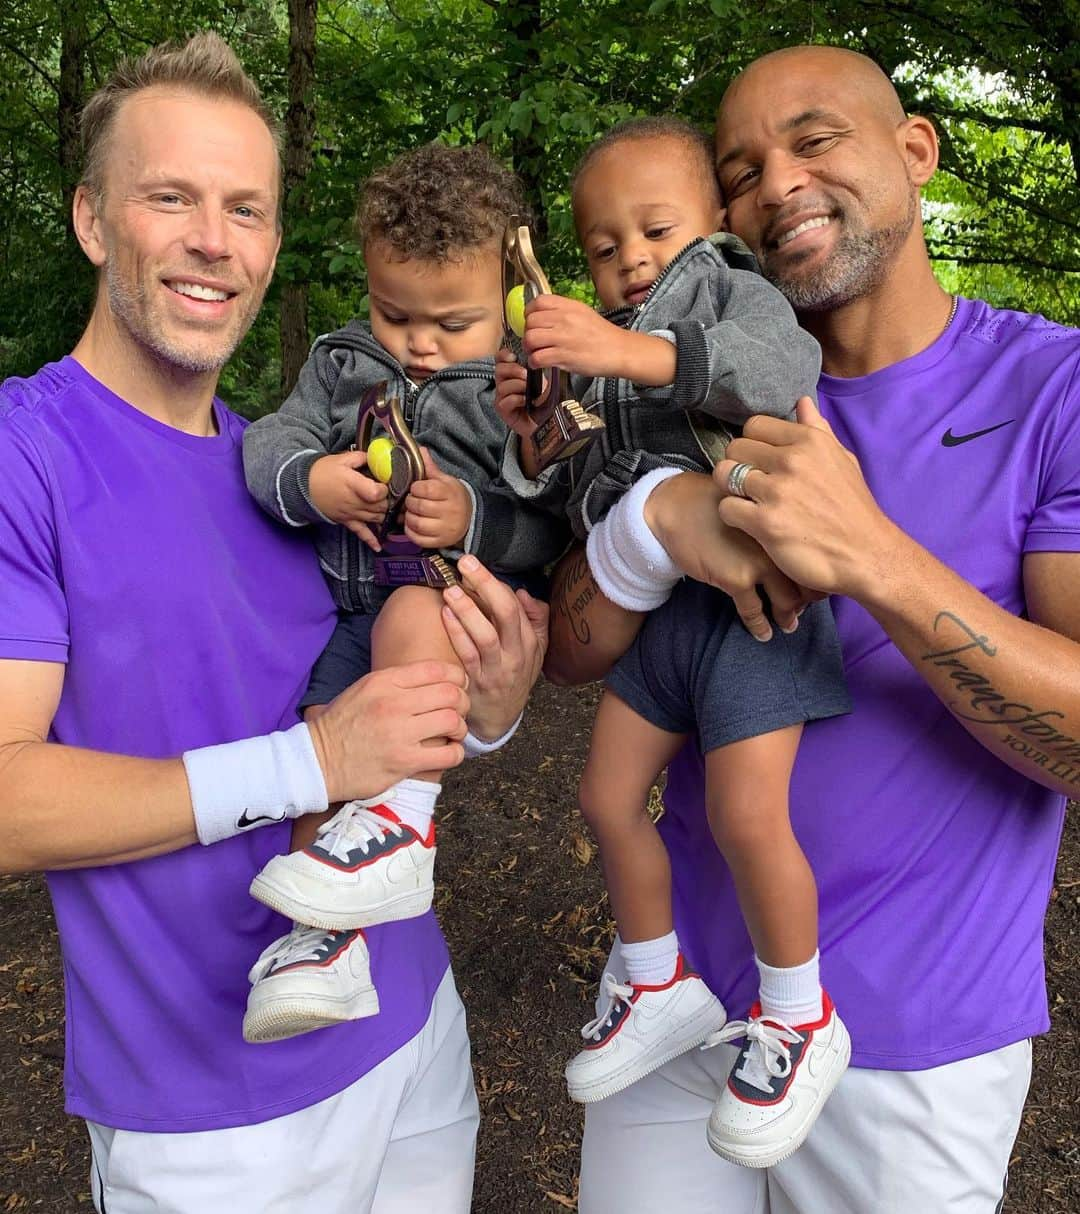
[87, 224]
[277, 250]
[918, 143]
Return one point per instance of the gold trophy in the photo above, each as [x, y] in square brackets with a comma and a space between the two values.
[563, 427]
[396, 460]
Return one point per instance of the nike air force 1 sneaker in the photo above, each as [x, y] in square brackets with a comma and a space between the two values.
[365, 867]
[642, 1028]
[307, 980]
[778, 1085]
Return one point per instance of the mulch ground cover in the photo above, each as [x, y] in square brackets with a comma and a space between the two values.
[522, 902]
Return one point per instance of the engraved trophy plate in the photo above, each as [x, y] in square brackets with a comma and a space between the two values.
[401, 562]
[563, 427]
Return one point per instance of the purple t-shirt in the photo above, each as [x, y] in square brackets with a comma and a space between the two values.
[933, 860]
[133, 553]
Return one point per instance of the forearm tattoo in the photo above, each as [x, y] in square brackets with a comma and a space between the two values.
[1028, 730]
[575, 588]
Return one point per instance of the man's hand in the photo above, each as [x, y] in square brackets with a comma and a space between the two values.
[438, 510]
[373, 734]
[682, 514]
[566, 333]
[500, 638]
[346, 496]
[510, 394]
[809, 506]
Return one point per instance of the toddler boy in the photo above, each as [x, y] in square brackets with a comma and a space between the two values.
[431, 225]
[693, 342]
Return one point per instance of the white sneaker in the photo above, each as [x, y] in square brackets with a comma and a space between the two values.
[307, 980]
[642, 1028]
[778, 1085]
[365, 867]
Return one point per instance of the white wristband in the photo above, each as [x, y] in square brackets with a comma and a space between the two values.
[474, 746]
[630, 565]
[254, 782]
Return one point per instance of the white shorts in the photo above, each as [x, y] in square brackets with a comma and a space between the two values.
[887, 1142]
[401, 1139]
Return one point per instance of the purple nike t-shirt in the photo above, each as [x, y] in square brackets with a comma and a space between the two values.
[132, 553]
[933, 859]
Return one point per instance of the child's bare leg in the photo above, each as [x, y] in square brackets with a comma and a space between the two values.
[409, 628]
[667, 1009]
[373, 862]
[747, 803]
[796, 1050]
[626, 755]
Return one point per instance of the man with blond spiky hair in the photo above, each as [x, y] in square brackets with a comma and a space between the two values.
[158, 631]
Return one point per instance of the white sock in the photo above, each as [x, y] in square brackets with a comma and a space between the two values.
[414, 803]
[791, 994]
[651, 962]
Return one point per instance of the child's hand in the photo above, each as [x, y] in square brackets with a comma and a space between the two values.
[510, 393]
[566, 333]
[346, 496]
[438, 510]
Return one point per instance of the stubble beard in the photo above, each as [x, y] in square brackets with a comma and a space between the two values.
[858, 265]
[128, 303]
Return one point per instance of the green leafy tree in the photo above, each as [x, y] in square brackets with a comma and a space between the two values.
[360, 80]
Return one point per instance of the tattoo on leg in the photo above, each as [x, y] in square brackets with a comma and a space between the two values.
[1058, 753]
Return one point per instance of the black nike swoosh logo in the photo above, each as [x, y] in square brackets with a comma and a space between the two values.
[245, 820]
[948, 439]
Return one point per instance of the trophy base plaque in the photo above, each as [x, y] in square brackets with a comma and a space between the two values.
[564, 433]
[414, 568]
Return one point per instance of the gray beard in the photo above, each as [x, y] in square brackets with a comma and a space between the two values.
[128, 305]
[858, 266]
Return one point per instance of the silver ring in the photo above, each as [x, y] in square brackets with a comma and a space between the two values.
[736, 479]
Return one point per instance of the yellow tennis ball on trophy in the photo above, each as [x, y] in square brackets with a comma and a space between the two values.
[380, 458]
[515, 309]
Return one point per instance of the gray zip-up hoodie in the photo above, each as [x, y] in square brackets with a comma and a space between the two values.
[739, 351]
[452, 413]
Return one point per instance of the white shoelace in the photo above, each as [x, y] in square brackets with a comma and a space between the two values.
[301, 944]
[768, 1057]
[616, 993]
[354, 825]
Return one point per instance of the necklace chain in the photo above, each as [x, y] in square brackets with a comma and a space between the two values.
[952, 311]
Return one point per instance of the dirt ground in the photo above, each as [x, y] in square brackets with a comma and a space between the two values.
[522, 903]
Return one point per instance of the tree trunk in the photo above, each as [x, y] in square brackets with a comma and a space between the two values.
[299, 137]
[523, 61]
[73, 40]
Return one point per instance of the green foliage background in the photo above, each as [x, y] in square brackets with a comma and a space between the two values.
[538, 81]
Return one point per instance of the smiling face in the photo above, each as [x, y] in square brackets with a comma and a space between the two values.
[638, 204]
[431, 314]
[185, 230]
[811, 149]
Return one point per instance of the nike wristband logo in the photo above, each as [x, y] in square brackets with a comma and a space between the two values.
[948, 439]
[246, 820]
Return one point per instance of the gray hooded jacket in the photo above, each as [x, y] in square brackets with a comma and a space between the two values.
[739, 351]
[452, 413]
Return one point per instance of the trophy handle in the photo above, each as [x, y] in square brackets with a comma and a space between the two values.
[401, 562]
[563, 428]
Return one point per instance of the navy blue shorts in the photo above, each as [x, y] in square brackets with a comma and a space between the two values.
[347, 656]
[693, 667]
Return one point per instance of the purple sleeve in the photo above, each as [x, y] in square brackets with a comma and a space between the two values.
[1055, 523]
[33, 610]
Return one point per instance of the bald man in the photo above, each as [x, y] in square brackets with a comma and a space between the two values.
[937, 497]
